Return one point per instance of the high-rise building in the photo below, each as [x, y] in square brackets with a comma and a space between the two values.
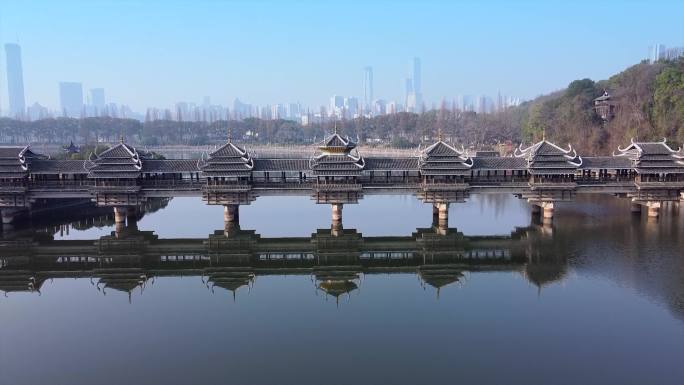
[336, 106]
[367, 88]
[417, 81]
[71, 98]
[15, 81]
[97, 99]
[417, 85]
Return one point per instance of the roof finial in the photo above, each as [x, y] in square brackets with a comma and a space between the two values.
[230, 133]
[335, 127]
[543, 134]
[439, 133]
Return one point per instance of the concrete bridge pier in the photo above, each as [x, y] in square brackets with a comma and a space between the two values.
[132, 218]
[653, 208]
[536, 210]
[443, 209]
[435, 215]
[546, 209]
[231, 213]
[120, 218]
[336, 226]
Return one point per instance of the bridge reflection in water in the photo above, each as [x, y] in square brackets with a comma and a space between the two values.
[337, 259]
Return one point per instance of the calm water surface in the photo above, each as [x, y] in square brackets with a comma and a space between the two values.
[598, 298]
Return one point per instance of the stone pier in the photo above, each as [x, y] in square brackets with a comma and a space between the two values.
[443, 215]
[132, 218]
[336, 227]
[536, 210]
[653, 208]
[231, 213]
[120, 219]
[635, 208]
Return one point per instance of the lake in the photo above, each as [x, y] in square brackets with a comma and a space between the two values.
[598, 297]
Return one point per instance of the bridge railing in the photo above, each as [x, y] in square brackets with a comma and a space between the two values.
[172, 183]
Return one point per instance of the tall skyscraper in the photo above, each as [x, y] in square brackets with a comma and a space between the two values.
[417, 81]
[97, 99]
[71, 98]
[15, 81]
[367, 88]
[417, 85]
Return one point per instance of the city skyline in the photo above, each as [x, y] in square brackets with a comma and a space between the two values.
[150, 63]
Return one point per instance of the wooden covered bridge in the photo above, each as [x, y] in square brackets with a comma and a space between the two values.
[648, 173]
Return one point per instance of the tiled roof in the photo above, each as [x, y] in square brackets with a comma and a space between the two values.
[337, 156]
[499, 163]
[170, 166]
[15, 162]
[227, 160]
[606, 162]
[653, 157]
[335, 140]
[543, 157]
[387, 164]
[281, 164]
[228, 150]
[120, 161]
[58, 167]
[443, 159]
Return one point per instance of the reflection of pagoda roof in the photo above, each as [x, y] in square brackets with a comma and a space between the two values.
[121, 279]
[542, 274]
[337, 280]
[439, 276]
[338, 287]
[19, 281]
[230, 278]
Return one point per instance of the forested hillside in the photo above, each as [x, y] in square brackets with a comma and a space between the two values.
[649, 105]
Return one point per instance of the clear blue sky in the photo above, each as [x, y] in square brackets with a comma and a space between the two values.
[158, 52]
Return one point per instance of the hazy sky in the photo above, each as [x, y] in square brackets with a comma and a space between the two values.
[159, 52]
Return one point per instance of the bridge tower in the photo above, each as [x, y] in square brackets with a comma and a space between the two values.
[337, 166]
[15, 163]
[659, 174]
[444, 174]
[552, 172]
[228, 174]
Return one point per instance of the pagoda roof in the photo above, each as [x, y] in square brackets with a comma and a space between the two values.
[119, 161]
[545, 157]
[337, 156]
[603, 97]
[15, 161]
[653, 157]
[227, 160]
[442, 158]
[335, 140]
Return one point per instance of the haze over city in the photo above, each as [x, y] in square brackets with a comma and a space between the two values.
[156, 54]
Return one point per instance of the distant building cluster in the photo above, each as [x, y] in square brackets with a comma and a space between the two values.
[75, 102]
[660, 52]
